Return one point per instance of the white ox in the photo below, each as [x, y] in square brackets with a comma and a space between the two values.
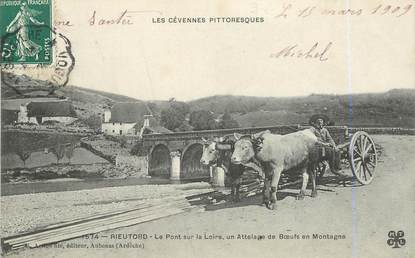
[280, 153]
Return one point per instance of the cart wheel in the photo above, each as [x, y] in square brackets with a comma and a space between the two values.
[362, 157]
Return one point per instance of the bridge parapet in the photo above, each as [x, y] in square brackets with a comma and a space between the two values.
[338, 132]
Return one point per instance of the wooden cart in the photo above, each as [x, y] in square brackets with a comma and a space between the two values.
[361, 155]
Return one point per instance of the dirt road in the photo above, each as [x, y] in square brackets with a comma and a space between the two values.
[343, 221]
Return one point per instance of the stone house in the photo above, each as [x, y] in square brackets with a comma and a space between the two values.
[130, 118]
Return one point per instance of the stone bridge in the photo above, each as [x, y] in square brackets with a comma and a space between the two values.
[177, 155]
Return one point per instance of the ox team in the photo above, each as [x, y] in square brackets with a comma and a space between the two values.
[273, 154]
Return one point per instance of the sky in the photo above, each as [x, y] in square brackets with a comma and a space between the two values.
[148, 60]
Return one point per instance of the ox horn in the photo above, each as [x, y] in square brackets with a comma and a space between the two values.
[204, 139]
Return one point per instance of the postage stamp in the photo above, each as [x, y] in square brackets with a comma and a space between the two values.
[207, 128]
[31, 47]
[53, 75]
[24, 27]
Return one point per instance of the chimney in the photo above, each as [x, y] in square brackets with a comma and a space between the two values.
[147, 120]
[107, 116]
[22, 115]
[23, 108]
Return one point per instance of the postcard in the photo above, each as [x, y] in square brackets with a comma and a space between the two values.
[251, 128]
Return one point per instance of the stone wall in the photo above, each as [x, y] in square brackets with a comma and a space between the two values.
[138, 162]
[61, 119]
[89, 147]
[384, 130]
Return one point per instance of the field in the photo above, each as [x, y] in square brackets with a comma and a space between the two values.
[40, 158]
[17, 141]
[359, 216]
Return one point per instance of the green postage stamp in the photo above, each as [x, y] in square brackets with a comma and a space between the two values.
[25, 27]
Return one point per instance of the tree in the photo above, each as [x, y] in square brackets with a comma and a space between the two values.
[93, 122]
[123, 141]
[138, 149]
[59, 151]
[228, 122]
[202, 120]
[171, 119]
[23, 155]
[181, 107]
[20, 145]
[69, 151]
[174, 116]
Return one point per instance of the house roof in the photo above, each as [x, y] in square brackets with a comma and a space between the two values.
[154, 127]
[14, 104]
[129, 112]
[157, 129]
[51, 109]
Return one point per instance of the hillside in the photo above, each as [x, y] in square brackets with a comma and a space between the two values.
[88, 102]
[395, 108]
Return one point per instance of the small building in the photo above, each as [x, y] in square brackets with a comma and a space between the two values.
[151, 126]
[130, 118]
[40, 112]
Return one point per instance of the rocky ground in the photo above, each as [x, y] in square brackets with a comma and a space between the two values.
[343, 221]
[22, 213]
[107, 145]
[83, 171]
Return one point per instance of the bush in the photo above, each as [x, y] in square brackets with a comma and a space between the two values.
[110, 138]
[174, 116]
[122, 140]
[228, 122]
[51, 122]
[202, 120]
[138, 149]
[27, 124]
[93, 121]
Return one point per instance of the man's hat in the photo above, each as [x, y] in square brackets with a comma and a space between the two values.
[314, 118]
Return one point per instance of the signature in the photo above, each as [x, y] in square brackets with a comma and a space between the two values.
[124, 18]
[316, 52]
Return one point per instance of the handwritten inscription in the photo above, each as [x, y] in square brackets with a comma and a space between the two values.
[63, 23]
[316, 52]
[293, 10]
[395, 10]
[122, 19]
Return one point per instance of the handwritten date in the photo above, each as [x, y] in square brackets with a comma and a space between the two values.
[398, 11]
[294, 10]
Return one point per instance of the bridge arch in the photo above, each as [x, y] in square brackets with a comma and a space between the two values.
[190, 162]
[159, 161]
